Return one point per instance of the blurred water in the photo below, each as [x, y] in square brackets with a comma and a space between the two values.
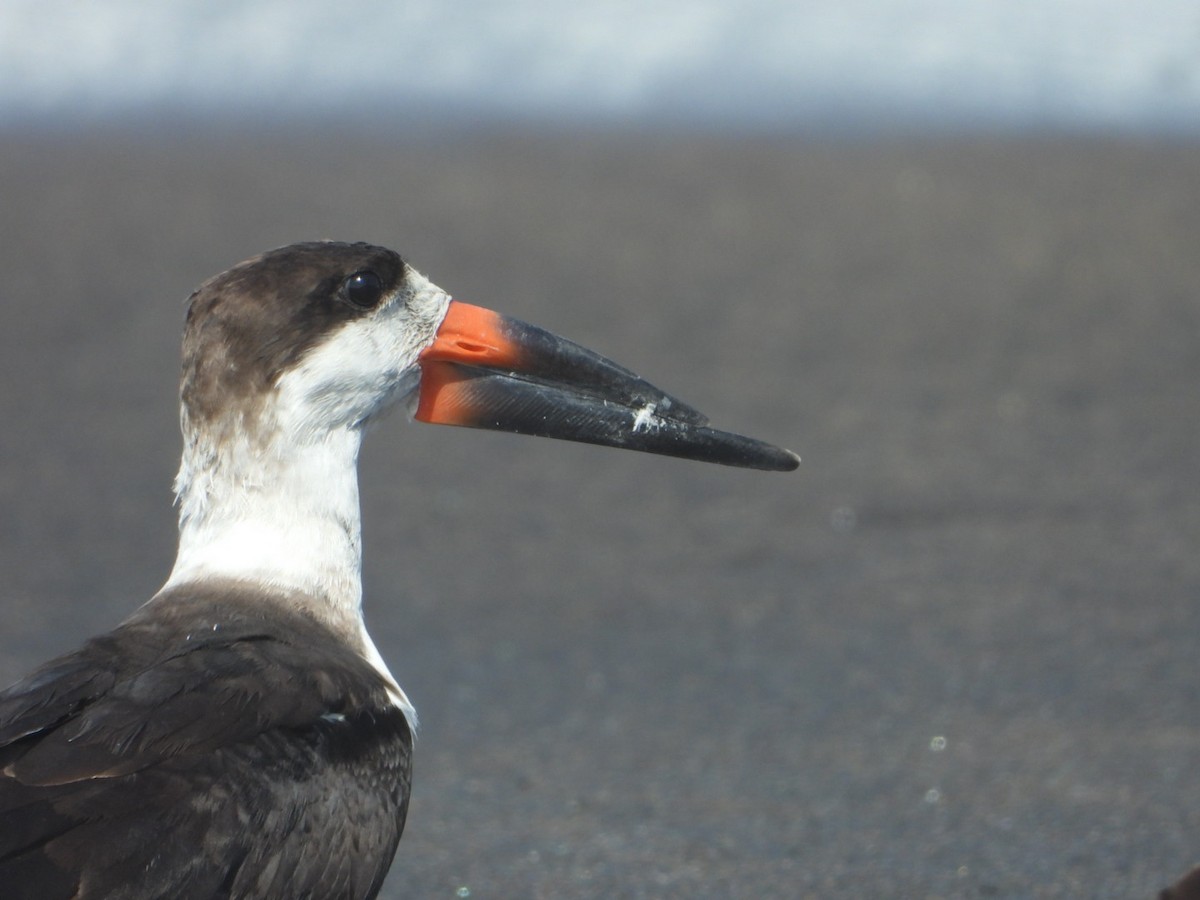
[1102, 64]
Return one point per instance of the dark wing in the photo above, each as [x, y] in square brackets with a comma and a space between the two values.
[171, 758]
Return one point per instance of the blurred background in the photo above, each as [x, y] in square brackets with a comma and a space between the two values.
[946, 251]
[710, 64]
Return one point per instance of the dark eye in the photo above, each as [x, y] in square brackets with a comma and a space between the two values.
[363, 289]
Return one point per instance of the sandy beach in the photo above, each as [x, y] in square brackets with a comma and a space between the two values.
[954, 655]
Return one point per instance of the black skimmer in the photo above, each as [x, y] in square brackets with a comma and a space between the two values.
[239, 736]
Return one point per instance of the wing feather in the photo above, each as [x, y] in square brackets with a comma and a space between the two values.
[169, 758]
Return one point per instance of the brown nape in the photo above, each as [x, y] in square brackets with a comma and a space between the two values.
[245, 327]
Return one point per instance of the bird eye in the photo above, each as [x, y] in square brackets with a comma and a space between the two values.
[363, 289]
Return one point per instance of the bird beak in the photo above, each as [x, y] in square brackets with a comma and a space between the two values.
[485, 370]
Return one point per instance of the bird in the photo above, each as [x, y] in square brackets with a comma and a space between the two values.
[239, 735]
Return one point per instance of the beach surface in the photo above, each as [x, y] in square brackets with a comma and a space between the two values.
[954, 655]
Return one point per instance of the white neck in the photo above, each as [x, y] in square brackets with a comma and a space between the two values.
[280, 513]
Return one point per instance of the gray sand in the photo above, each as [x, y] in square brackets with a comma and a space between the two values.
[953, 656]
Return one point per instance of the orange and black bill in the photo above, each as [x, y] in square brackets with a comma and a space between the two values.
[485, 370]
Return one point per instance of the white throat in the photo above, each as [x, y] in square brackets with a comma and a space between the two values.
[278, 513]
[280, 510]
